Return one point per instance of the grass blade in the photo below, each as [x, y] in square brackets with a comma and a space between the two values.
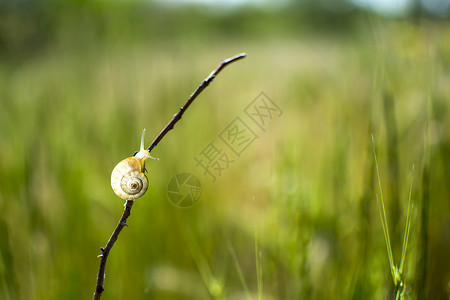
[408, 225]
[258, 257]
[382, 211]
[238, 269]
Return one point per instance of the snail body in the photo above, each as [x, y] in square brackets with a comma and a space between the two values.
[128, 179]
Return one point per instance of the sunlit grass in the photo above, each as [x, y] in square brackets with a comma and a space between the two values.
[396, 270]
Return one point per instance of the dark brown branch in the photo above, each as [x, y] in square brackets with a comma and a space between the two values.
[105, 250]
[201, 87]
[127, 212]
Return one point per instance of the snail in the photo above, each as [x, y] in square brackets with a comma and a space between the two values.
[128, 179]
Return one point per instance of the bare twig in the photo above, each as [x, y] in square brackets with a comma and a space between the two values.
[127, 211]
[201, 87]
[105, 250]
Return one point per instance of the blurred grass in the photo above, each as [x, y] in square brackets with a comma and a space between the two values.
[77, 87]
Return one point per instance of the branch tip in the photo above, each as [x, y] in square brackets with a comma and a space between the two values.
[176, 117]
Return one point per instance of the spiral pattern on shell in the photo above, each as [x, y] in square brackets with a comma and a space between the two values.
[127, 179]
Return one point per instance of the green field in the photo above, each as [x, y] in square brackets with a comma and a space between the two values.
[293, 216]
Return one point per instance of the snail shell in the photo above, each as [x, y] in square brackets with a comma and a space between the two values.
[128, 180]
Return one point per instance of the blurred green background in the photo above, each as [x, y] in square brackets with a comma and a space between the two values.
[295, 217]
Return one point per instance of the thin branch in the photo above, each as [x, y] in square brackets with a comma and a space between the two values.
[201, 87]
[105, 250]
[127, 211]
